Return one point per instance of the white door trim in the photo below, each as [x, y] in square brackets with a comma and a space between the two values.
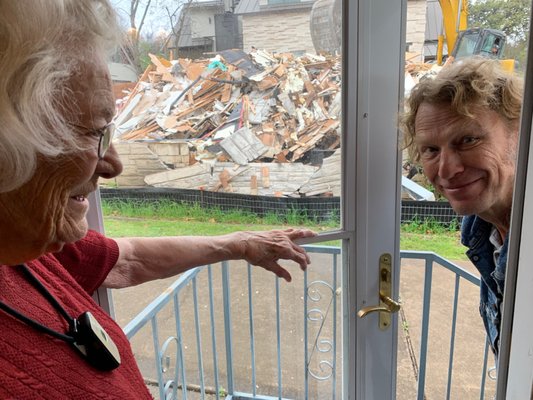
[373, 57]
[95, 220]
[515, 365]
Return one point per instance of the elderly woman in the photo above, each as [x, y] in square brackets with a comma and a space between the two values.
[462, 127]
[56, 110]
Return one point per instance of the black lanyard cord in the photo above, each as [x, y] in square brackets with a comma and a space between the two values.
[35, 324]
[85, 334]
[18, 315]
[44, 291]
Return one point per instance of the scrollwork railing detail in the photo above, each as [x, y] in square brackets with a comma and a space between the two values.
[319, 316]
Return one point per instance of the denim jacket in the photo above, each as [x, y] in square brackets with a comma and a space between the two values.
[475, 234]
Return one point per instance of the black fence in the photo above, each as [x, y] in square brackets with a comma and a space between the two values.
[316, 208]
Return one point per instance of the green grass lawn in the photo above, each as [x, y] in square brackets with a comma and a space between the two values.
[447, 245]
[167, 219]
[127, 226]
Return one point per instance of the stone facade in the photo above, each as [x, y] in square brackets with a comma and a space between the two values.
[173, 154]
[278, 32]
[289, 31]
[142, 159]
[416, 26]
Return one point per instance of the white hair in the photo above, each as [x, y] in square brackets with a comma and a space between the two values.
[42, 45]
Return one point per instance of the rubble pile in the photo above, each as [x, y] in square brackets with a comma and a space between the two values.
[416, 70]
[252, 123]
[238, 107]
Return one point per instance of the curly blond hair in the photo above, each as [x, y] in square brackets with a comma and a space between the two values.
[466, 85]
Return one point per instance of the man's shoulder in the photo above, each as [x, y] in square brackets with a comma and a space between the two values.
[474, 228]
[468, 222]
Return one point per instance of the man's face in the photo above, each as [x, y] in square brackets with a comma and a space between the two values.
[470, 161]
[50, 209]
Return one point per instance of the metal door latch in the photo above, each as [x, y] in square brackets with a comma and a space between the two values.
[387, 305]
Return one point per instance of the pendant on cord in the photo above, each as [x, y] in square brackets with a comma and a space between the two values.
[93, 343]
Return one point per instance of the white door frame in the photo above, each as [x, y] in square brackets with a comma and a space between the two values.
[373, 65]
[95, 220]
[515, 369]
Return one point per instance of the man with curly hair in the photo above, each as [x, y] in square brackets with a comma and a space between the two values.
[462, 127]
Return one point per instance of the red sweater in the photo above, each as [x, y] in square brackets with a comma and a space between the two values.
[34, 365]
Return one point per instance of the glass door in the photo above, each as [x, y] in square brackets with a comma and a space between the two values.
[299, 124]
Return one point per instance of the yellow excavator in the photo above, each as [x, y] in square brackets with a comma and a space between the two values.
[465, 42]
[461, 42]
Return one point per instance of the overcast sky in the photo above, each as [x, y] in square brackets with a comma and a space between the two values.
[156, 20]
[122, 7]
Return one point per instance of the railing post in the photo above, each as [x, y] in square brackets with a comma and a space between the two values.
[452, 334]
[484, 371]
[213, 332]
[252, 331]
[425, 328]
[198, 339]
[180, 362]
[278, 337]
[306, 350]
[155, 337]
[227, 324]
[334, 361]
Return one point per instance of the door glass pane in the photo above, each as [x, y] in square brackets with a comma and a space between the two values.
[235, 110]
[235, 123]
[442, 340]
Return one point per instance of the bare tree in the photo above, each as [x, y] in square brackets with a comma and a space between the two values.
[134, 9]
[143, 14]
[137, 8]
[178, 22]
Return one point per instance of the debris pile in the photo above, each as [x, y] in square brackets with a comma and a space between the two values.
[252, 123]
[415, 70]
[238, 107]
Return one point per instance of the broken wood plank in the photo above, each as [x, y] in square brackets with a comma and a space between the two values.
[265, 175]
[243, 146]
[142, 132]
[136, 89]
[268, 82]
[162, 67]
[253, 185]
[280, 71]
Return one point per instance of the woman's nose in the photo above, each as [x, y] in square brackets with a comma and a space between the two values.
[109, 165]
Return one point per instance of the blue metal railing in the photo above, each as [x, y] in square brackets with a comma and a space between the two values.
[320, 349]
[460, 274]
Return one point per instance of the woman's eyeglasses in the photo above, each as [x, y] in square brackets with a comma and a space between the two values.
[105, 136]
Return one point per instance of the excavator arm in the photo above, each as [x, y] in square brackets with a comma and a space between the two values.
[454, 16]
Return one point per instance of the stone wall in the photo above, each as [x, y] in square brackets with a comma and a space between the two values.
[174, 154]
[278, 32]
[289, 31]
[141, 159]
[416, 25]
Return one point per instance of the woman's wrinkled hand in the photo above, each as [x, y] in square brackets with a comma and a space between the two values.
[266, 248]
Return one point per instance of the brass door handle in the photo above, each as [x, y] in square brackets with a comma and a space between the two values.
[386, 305]
[390, 306]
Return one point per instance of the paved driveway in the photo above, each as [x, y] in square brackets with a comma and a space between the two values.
[469, 340]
